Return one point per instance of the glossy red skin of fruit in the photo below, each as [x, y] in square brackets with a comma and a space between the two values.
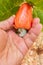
[23, 18]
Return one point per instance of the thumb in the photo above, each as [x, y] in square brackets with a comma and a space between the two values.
[3, 40]
[7, 24]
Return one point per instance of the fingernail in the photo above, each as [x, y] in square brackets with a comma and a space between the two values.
[36, 20]
[40, 27]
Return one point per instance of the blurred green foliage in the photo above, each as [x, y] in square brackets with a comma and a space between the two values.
[10, 7]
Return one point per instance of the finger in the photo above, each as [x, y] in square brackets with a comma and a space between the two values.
[28, 41]
[7, 24]
[31, 36]
[35, 22]
[18, 42]
[3, 40]
[36, 30]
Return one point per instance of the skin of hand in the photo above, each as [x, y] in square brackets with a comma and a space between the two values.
[12, 47]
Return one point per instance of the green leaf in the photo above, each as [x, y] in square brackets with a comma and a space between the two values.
[38, 13]
[8, 8]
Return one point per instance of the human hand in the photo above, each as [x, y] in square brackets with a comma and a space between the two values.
[12, 47]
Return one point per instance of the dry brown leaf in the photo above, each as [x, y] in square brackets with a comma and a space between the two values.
[35, 55]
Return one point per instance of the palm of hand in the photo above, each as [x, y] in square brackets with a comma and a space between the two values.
[13, 48]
